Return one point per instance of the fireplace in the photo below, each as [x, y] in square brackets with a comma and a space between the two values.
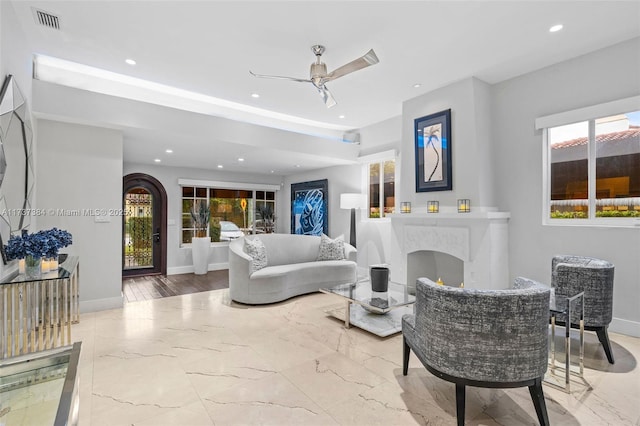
[471, 247]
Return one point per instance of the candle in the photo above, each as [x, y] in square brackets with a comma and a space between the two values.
[433, 206]
[405, 207]
[464, 206]
[44, 265]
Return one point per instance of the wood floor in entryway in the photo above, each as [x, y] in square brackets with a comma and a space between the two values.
[148, 287]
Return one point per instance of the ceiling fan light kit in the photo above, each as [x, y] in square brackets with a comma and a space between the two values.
[318, 75]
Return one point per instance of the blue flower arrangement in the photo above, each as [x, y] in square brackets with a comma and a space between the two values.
[37, 245]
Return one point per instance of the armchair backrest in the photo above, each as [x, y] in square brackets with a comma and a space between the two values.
[484, 335]
[573, 274]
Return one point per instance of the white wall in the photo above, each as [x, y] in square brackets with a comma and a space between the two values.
[179, 260]
[80, 167]
[381, 136]
[15, 59]
[470, 135]
[606, 75]
[15, 54]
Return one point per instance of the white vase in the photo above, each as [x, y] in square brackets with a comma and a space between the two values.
[200, 252]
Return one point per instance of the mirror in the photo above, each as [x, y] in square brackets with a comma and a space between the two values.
[16, 162]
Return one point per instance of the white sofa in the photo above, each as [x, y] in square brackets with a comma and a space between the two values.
[292, 269]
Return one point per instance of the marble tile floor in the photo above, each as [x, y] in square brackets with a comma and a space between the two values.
[200, 359]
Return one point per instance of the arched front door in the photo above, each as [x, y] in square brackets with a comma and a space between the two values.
[144, 226]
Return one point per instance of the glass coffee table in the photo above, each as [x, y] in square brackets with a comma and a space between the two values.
[378, 313]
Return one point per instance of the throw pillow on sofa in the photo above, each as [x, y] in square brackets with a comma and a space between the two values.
[331, 249]
[258, 252]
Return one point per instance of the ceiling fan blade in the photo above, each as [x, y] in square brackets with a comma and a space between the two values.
[368, 59]
[278, 77]
[327, 97]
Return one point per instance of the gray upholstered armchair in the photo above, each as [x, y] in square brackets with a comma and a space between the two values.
[482, 338]
[574, 274]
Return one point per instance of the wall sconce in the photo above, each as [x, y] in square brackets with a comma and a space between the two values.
[464, 206]
[405, 207]
[433, 206]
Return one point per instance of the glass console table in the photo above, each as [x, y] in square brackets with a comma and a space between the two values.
[568, 308]
[41, 388]
[36, 315]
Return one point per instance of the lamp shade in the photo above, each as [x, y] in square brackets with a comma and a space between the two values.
[352, 201]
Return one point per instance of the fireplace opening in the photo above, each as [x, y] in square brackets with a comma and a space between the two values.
[434, 265]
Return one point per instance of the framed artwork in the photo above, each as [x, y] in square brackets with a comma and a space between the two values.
[309, 212]
[433, 152]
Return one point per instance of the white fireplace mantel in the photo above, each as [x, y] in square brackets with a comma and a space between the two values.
[479, 239]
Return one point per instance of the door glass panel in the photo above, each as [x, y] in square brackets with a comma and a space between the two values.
[389, 186]
[138, 229]
[374, 190]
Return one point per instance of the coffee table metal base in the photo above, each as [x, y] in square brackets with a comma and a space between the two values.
[382, 325]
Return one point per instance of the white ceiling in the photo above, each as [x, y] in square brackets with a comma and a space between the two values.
[209, 47]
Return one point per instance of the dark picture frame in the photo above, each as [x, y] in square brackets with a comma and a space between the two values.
[433, 152]
[309, 207]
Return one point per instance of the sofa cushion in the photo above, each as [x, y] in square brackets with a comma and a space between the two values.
[285, 249]
[258, 252]
[319, 274]
[331, 249]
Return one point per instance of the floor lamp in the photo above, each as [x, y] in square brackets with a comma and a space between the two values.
[353, 202]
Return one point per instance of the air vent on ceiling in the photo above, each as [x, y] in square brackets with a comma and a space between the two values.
[47, 19]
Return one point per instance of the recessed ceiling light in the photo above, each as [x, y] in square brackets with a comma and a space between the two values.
[555, 28]
[169, 151]
[297, 165]
[272, 171]
[157, 160]
[130, 61]
[240, 159]
[341, 116]
[220, 166]
[415, 86]
[255, 95]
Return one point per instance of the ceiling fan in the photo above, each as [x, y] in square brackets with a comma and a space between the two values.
[319, 76]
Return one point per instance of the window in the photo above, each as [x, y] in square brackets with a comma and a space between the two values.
[381, 188]
[593, 169]
[234, 212]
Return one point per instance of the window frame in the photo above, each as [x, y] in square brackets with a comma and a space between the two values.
[587, 114]
[209, 185]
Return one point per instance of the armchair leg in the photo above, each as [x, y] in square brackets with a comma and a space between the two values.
[537, 396]
[460, 401]
[406, 351]
[603, 336]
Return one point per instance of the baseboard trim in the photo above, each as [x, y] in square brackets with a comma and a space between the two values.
[189, 269]
[622, 326]
[101, 304]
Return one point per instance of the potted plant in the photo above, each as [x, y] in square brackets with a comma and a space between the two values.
[200, 243]
[268, 218]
